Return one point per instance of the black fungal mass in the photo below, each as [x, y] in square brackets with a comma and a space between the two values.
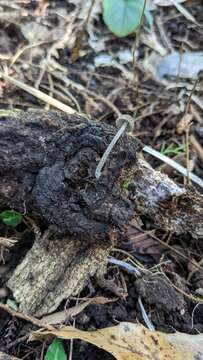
[47, 168]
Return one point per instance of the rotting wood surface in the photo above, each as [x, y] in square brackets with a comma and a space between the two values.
[47, 169]
[47, 165]
[55, 270]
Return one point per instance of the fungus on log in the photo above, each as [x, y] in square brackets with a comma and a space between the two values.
[47, 170]
[47, 166]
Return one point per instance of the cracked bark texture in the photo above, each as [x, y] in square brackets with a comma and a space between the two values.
[170, 206]
[54, 270]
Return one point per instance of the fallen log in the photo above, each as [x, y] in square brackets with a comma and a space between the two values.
[47, 165]
[47, 170]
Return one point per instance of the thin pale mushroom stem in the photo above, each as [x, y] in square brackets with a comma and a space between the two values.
[108, 151]
[68, 110]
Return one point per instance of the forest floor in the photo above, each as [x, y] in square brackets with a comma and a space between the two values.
[63, 50]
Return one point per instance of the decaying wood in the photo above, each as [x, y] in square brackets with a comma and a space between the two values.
[47, 165]
[170, 206]
[53, 271]
[47, 170]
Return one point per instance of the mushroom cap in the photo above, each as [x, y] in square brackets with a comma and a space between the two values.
[125, 119]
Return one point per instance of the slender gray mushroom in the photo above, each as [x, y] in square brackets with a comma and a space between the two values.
[125, 123]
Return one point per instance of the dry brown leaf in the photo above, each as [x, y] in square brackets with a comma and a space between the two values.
[144, 242]
[128, 341]
[184, 11]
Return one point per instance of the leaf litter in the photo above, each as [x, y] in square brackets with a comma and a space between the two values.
[159, 88]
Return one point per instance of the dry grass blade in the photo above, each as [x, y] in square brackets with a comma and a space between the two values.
[39, 94]
[183, 11]
[133, 229]
[23, 49]
[174, 164]
[25, 317]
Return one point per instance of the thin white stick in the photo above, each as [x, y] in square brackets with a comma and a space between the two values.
[128, 267]
[173, 164]
[145, 316]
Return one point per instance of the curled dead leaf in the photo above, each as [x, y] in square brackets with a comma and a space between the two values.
[128, 341]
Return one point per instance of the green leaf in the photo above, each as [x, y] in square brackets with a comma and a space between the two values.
[11, 217]
[123, 16]
[172, 149]
[56, 351]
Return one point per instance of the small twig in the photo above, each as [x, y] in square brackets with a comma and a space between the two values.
[76, 49]
[123, 264]
[197, 266]
[25, 317]
[145, 316]
[189, 296]
[39, 94]
[193, 312]
[137, 38]
[84, 91]
[173, 164]
[25, 48]
[187, 130]
[88, 15]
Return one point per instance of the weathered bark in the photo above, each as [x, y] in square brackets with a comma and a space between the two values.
[47, 168]
[170, 206]
[53, 271]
